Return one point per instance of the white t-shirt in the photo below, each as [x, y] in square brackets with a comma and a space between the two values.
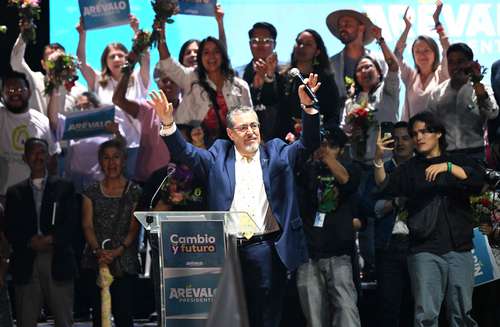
[15, 129]
[137, 91]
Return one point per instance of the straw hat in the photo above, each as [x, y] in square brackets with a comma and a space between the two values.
[332, 21]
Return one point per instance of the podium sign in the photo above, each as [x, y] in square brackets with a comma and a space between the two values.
[193, 257]
[192, 247]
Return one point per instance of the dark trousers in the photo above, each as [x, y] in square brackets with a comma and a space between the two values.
[122, 298]
[264, 278]
[393, 286]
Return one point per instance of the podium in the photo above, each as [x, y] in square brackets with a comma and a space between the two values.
[191, 253]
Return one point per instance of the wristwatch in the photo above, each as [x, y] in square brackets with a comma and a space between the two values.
[308, 106]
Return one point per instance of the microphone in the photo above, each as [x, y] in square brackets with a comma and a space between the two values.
[170, 171]
[294, 72]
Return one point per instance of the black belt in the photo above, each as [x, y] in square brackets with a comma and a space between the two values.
[258, 238]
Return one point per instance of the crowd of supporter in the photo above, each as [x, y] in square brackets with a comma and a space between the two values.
[383, 197]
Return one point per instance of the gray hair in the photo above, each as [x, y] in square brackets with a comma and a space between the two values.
[238, 111]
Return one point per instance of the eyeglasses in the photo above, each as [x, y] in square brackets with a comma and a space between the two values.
[261, 40]
[243, 128]
[12, 90]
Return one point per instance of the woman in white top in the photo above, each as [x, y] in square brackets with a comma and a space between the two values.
[209, 90]
[103, 84]
[429, 72]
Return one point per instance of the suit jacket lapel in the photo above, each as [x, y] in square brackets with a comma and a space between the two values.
[264, 163]
[47, 203]
[27, 198]
[230, 162]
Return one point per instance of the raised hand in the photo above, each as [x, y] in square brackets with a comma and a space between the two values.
[407, 18]
[377, 32]
[79, 26]
[133, 22]
[163, 108]
[312, 82]
[219, 13]
[437, 12]
[384, 144]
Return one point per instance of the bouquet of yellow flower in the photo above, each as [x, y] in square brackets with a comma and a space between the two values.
[29, 10]
[164, 10]
[61, 70]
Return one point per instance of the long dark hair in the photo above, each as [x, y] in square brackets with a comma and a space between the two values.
[226, 70]
[323, 63]
[184, 46]
[434, 47]
[357, 87]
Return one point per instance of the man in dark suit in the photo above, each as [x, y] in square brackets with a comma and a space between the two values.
[40, 225]
[245, 175]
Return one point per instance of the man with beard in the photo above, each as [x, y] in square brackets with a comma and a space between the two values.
[354, 30]
[244, 175]
[18, 123]
[261, 74]
[464, 103]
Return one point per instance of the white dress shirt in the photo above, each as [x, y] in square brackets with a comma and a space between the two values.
[250, 193]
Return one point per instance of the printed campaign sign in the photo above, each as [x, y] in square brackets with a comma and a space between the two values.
[197, 7]
[193, 245]
[190, 295]
[193, 257]
[88, 123]
[104, 13]
[485, 266]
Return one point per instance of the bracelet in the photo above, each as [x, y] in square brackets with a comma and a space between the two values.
[380, 41]
[449, 164]
[268, 79]
[378, 165]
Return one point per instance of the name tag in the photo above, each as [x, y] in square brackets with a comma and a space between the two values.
[319, 220]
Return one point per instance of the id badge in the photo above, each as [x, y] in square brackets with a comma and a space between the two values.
[319, 220]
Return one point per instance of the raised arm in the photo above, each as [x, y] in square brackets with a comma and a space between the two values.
[401, 44]
[443, 38]
[145, 59]
[119, 96]
[219, 17]
[17, 61]
[198, 159]
[389, 56]
[88, 73]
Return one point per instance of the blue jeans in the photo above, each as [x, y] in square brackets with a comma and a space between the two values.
[327, 293]
[450, 277]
